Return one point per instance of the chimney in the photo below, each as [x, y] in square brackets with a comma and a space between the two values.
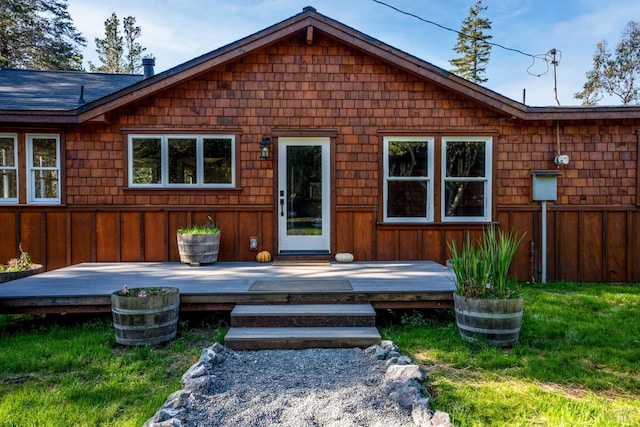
[147, 67]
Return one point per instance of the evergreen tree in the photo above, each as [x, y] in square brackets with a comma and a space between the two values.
[615, 72]
[39, 34]
[473, 46]
[111, 49]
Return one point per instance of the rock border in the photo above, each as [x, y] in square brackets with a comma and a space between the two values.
[402, 384]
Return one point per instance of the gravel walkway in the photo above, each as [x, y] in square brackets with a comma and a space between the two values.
[316, 387]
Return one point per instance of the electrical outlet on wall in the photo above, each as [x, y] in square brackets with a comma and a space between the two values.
[253, 243]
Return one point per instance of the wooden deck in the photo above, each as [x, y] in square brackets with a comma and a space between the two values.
[86, 288]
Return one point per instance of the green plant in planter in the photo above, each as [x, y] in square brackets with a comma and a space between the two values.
[208, 228]
[199, 244]
[18, 264]
[482, 268]
[126, 291]
[487, 307]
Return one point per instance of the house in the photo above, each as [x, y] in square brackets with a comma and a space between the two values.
[313, 139]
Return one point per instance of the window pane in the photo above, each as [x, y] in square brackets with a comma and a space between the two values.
[217, 160]
[8, 173]
[44, 152]
[182, 161]
[465, 158]
[8, 184]
[407, 158]
[7, 152]
[406, 199]
[147, 167]
[464, 198]
[45, 184]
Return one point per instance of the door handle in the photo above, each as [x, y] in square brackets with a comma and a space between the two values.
[281, 207]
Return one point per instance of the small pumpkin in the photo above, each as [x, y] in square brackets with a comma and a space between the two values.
[263, 256]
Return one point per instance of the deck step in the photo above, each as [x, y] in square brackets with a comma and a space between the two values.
[304, 315]
[297, 326]
[300, 338]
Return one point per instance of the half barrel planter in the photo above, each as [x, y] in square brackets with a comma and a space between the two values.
[7, 276]
[196, 249]
[494, 321]
[145, 321]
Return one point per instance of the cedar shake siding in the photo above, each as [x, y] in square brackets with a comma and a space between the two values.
[355, 91]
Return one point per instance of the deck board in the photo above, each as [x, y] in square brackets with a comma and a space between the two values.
[87, 286]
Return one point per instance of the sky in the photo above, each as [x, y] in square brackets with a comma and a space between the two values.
[175, 31]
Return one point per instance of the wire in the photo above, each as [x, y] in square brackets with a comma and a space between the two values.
[546, 57]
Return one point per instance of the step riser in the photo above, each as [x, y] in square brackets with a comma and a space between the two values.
[298, 344]
[302, 321]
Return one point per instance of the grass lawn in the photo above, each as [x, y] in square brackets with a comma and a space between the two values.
[577, 364]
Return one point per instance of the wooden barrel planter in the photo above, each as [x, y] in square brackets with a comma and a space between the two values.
[7, 276]
[196, 249]
[147, 320]
[494, 321]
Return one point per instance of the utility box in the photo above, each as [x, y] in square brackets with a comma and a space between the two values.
[544, 184]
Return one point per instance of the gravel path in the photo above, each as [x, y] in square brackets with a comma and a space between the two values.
[316, 387]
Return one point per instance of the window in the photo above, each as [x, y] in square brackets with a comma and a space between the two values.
[466, 183]
[184, 161]
[408, 179]
[43, 168]
[8, 168]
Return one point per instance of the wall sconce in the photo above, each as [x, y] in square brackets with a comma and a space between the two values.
[265, 154]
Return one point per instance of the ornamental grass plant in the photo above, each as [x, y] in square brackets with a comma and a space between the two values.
[481, 268]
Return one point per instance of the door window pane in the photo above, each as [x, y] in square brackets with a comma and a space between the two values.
[304, 184]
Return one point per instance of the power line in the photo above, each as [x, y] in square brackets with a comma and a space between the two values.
[546, 57]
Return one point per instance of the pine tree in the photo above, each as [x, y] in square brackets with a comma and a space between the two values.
[39, 34]
[615, 73]
[473, 46]
[111, 49]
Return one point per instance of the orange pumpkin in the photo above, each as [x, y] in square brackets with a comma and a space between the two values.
[263, 256]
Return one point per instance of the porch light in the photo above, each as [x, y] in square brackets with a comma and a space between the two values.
[264, 148]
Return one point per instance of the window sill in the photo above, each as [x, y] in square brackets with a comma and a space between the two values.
[166, 190]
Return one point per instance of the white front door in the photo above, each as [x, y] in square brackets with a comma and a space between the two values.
[304, 195]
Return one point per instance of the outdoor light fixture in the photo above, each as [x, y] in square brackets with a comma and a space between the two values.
[264, 148]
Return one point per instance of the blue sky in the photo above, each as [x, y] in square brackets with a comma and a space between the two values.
[175, 31]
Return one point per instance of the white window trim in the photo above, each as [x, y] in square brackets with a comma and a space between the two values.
[31, 196]
[428, 179]
[164, 156]
[4, 180]
[487, 179]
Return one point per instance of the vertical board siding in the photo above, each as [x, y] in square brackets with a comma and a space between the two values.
[583, 245]
[56, 242]
[82, 237]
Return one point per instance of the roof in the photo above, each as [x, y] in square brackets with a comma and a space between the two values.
[33, 90]
[115, 91]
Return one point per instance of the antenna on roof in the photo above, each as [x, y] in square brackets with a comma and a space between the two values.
[81, 100]
[555, 62]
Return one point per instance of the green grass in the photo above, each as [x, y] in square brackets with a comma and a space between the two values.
[577, 362]
[66, 371]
